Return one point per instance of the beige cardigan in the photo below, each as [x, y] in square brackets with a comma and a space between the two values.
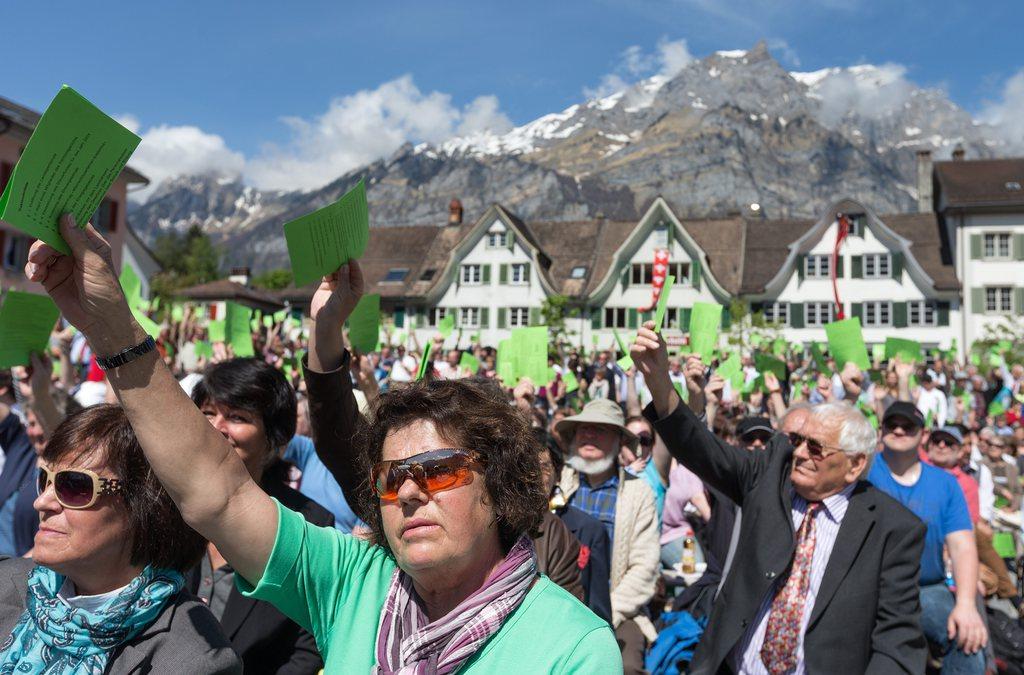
[636, 552]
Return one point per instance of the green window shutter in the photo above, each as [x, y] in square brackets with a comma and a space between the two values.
[839, 267]
[625, 276]
[510, 240]
[977, 301]
[695, 274]
[1018, 247]
[726, 318]
[800, 265]
[684, 319]
[535, 316]
[503, 274]
[1018, 300]
[857, 310]
[899, 315]
[942, 308]
[502, 317]
[486, 274]
[596, 314]
[526, 273]
[796, 314]
[485, 317]
[975, 247]
[857, 267]
[896, 266]
[399, 317]
[631, 317]
[669, 233]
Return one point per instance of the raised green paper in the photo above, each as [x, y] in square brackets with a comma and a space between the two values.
[659, 313]
[321, 242]
[446, 326]
[819, 359]
[364, 323]
[846, 343]
[204, 348]
[177, 313]
[732, 370]
[704, 321]
[424, 362]
[217, 330]
[26, 321]
[766, 363]
[506, 363]
[908, 351]
[237, 329]
[131, 285]
[571, 383]
[619, 342]
[73, 157]
[530, 347]
[469, 363]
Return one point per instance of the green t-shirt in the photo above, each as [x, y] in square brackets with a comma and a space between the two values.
[334, 585]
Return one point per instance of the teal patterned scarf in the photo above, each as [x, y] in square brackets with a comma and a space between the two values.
[53, 638]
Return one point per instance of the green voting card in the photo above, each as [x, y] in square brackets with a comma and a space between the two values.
[909, 351]
[846, 343]
[73, 157]
[659, 314]
[446, 326]
[364, 323]
[704, 321]
[26, 321]
[571, 383]
[217, 331]
[530, 349]
[766, 363]
[321, 242]
[732, 370]
[131, 285]
[204, 348]
[237, 329]
[469, 363]
[424, 362]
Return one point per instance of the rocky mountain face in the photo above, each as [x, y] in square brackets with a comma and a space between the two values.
[726, 131]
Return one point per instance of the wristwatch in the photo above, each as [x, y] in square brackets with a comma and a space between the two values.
[126, 355]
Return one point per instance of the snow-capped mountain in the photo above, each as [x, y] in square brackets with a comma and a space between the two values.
[725, 131]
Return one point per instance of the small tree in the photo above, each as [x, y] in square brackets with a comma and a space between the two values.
[273, 280]
[745, 325]
[554, 311]
[187, 259]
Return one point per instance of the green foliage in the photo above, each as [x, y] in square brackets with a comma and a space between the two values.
[1009, 329]
[554, 311]
[187, 259]
[746, 325]
[273, 280]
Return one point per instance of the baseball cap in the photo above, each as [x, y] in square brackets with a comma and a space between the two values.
[952, 432]
[904, 409]
[748, 425]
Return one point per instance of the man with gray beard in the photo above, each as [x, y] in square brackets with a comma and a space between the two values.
[593, 482]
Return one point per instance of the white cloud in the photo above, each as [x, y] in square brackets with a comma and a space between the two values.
[673, 56]
[667, 59]
[784, 51]
[365, 126]
[1005, 114]
[870, 91]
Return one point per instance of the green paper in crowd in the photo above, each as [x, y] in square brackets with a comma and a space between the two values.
[75, 154]
[619, 342]
[424, 362]
[400, 338]
[131, 285]
[659, 313]
[1004, 346]
[530, 346]
[755, 340]
[996, 408]
[732, 370]
[571, 383]
[321, 242]
[846, 343]
[996, 360]
[268, 321]
[475, 338]
[177, 313]
[151, 327]
[975, 359]
[684, 393]
[364, 323]
[819, 359]
[593, 339]
[765, 363]
[779, 347]
[217, 330]
[625, 362]
[506, 363]
[237, 330]
[280, 316]
[1004, 544]
[797, 391]
[469, 363]
[204, 348]
[878, 352]
[446, 326]
[704, 321]
[26, 321]
[908, 351]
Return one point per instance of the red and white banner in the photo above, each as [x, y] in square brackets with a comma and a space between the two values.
[660, 273]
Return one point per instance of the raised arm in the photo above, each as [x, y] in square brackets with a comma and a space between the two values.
[194, 462]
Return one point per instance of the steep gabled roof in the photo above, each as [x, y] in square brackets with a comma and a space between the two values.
[766, 250]
[922, 230]
[981, 182]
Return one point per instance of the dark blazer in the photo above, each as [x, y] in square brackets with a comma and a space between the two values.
[865, 617]
[595, 575]
[267, 640]
[558, 554]
[185, 638]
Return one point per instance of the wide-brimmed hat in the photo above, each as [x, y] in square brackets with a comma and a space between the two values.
[601, 411]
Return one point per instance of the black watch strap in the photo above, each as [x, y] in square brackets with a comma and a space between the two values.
[126, 355]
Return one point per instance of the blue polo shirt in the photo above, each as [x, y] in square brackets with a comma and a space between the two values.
[936, 498]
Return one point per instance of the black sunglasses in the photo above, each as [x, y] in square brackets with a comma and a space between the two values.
[815, 448]
[907, 426]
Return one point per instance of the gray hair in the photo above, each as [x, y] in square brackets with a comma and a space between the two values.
[856, 435]
[802, 405]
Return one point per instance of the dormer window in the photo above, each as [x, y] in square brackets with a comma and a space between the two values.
[428, 275]
[395, 275]
[578, 272]
[497, 239]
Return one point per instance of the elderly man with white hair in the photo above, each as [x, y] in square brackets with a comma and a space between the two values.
[825, 574]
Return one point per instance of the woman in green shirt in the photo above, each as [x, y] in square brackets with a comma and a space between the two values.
[450, 584]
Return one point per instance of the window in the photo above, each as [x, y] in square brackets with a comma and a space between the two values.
[437, 314]
[672, 318]
[997, 245]
[856, 224]
[817, 313]
[578, 272]
[877, 266]
[614, 317]
[921, 313]
[817, 266]
[105, 218]
[681, 271]
[428, 275]
[395, 275]
[471, 274]
[469, 317]
[776, 312]
[16, 252]
[496, 240]
[519, 273]
[643, 273]
[878, 313]
[518, 317]
[998, 299]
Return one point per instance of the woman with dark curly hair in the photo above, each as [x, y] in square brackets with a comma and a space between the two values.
[450, 582]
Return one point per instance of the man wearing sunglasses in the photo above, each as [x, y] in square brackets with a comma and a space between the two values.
[754, 432]
[949, 620]
[824, 577]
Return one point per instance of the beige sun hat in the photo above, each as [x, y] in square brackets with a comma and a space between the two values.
[601, 411]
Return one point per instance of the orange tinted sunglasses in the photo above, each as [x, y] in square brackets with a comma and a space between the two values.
[433, 471]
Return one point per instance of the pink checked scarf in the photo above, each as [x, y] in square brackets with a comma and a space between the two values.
[407, 644]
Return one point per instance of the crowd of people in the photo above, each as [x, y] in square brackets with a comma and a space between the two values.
[168, 507]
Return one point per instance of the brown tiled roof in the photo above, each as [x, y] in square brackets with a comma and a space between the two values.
[722, 240]
[766, 248]
[981, 182]
[581, 243]
[223, 289]
[922, 229]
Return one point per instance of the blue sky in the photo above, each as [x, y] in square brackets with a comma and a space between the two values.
[236, 70]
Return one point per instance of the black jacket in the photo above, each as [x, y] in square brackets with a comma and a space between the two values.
[267, 640]
[596, 559]
[865, 616]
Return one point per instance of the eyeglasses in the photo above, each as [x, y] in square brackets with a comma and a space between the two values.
[77, 488]
[815, 448]
[433, 471]
[761, 438]
[646, 440]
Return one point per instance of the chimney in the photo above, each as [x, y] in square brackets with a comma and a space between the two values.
[958, 153]
[455, 212]
[924, 181]
[240, 275]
